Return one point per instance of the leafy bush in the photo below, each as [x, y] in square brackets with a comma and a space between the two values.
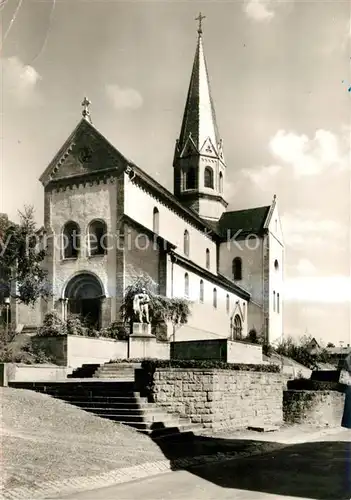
[52, 326]
[27, 353]
[115, 330]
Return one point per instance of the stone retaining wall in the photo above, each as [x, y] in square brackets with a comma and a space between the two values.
[220, 398]
[320, 408]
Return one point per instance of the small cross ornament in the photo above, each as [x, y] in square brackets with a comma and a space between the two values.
[200, 18]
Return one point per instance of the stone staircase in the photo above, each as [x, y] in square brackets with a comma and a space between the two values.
[117, 401]
[112, 371]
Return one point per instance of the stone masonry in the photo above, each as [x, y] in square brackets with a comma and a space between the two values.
[221, 399]
[319, 408]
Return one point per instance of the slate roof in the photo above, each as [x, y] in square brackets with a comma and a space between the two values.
[249, 221]
[199, 120]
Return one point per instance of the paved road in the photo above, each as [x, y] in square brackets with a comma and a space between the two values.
[316, 470]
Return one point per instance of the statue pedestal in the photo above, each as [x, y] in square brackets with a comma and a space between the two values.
[141, 343]
[141, 330]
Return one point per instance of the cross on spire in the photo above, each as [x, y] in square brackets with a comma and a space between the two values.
[200, 18]
[86, 111]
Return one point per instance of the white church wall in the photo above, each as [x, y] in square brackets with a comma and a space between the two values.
[205, 321]
[276, 279]
[251, 254]
[139, 205]
[83, 204]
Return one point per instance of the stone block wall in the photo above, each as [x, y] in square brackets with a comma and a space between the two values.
[220, 399]
[319, 408]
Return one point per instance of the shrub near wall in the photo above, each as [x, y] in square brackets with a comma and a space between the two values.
[218, 395]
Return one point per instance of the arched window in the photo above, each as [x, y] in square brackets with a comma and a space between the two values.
[227, 305]
[208, 177]
[186, 284]
[237, 328]
[70, 240]
[215, 298]
[186, 243]
[190, 178]
[155, 220]
[278, 303]
[97, 238]
[208, 260]
[276, 265]
[273, 301]
[220, 182]
[237, 269]
[201, 291]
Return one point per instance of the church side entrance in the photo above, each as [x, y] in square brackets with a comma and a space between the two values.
[83, 296]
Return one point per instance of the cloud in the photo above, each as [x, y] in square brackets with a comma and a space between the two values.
[305, 268]
[311, 156]
[259, 10]
[325, 289]
[123, 98]
[262, 176]
[304, 228]
[20, 80]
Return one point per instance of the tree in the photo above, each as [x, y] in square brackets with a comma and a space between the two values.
[330, 344]
[162, 309]
[301, 352]
[22, 275]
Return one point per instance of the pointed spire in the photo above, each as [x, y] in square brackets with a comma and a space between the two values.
[199, 119]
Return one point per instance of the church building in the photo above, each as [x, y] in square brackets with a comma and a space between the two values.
[107, 221]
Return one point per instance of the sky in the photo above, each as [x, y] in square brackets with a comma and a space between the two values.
[280, 75]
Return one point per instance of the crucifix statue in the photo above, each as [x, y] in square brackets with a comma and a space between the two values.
[86, 111]
[200, 18]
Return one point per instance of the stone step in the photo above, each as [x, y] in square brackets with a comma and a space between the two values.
[124, 399]
[121, 407]
[132, 416]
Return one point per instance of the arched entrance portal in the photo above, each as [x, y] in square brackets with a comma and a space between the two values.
[84, 294]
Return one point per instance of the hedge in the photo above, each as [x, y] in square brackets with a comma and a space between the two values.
[304, 384]
[206, 364]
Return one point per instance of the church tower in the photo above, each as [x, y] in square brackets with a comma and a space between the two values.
[199, 167]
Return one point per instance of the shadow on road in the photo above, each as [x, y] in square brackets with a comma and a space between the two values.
[316, 470]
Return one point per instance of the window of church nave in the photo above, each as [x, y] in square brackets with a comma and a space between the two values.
[208, 261]
[97, 237]
[186, 243]
[201, 291]
[237, 269]
[70, 240]
[186, 285]
[215, 298]
[278, 304]
[156, 221]
[190, 179]
[274, 301]
[220, 182]
[209, 177]
[276, 265]
[227, 303]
